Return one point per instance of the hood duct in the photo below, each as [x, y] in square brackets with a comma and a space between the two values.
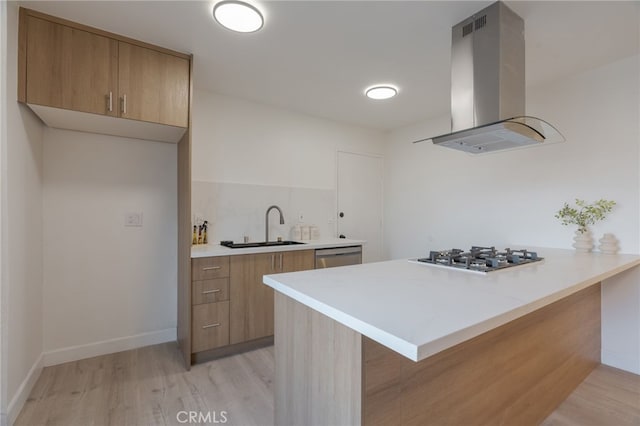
[488, 86]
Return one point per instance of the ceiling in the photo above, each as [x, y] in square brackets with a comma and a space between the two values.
[317, 57]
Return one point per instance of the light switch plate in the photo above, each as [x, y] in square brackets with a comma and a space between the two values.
[133, 219]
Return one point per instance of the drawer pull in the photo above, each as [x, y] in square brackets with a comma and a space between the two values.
[211, 291]
[211, 325]
[211, 268]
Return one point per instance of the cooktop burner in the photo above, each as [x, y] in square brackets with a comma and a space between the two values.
[480, 259]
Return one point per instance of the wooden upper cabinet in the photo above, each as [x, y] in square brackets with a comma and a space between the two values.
[63, 64]
[154, 86]
[70, 68]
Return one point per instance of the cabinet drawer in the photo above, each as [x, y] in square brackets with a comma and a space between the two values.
[207, 268]
[209, 291]
[210, 326]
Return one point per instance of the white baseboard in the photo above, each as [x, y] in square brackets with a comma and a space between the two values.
[621, 361]
[74, 353]
[18, 400]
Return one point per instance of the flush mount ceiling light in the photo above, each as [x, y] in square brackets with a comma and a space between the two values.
[238, 16]
[381, 92]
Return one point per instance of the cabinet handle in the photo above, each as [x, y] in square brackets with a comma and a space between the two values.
[211, 325]
[124, 104]
[110, 104]
[280, 261]
[211, 268]
[273, 262]
[211, 291]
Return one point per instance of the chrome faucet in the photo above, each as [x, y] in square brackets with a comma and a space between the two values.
[266, 221]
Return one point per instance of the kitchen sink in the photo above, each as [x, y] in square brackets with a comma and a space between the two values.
[231, 244]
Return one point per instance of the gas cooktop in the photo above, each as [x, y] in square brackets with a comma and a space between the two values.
[480, 259]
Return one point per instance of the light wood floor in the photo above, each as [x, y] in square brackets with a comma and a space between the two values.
[149, 386]
[608, 397]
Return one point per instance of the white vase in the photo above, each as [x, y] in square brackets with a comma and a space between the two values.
[609, 244]
[583, 241]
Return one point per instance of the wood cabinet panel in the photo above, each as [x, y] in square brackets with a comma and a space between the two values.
[302, 260]
[153, 86]
[318, 368]
[210, 326]
[515, 374]
[184, 248]
[251, 301]
[210, 291]
[208, 268]
[70, 68]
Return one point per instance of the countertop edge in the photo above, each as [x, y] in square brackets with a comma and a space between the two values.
[431, 348]
[398, 345]
[217, 250]
[418, 352]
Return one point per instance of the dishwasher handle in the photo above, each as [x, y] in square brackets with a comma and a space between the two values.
[338, 251]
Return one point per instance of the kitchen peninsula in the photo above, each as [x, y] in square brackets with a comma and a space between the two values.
[403, 343]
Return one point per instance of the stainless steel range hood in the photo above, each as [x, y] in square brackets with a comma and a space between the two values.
[488, 86]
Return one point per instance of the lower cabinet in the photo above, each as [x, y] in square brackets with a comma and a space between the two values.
[252, 302]
[229, 302]
[209, 303]
[210, 326]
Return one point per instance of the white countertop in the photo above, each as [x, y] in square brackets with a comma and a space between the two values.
[419, 309]
[212, 250]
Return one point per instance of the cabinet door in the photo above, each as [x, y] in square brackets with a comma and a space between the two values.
[251, 301]
[70, 68]
[210, 326]
[209, 291]
[208, 268]
[294, 261]
[154, 86]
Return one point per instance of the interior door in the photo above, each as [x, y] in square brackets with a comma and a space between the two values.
[360, 201]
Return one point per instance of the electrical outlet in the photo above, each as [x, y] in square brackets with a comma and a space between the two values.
[133, 219]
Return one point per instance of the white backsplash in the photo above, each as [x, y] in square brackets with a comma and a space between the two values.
[237, 210]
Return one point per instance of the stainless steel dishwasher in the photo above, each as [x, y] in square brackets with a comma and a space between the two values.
[339, 256]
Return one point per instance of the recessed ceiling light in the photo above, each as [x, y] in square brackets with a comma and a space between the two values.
[381, 92]
[238, 16]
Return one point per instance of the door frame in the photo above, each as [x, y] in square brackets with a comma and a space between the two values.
[337, 189]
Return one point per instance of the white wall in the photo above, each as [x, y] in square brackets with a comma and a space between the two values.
[107, 287]
[74, 281]
[266, 155]
[435, 195]
[21, 236]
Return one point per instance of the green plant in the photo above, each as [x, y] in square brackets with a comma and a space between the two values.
[584, 214]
